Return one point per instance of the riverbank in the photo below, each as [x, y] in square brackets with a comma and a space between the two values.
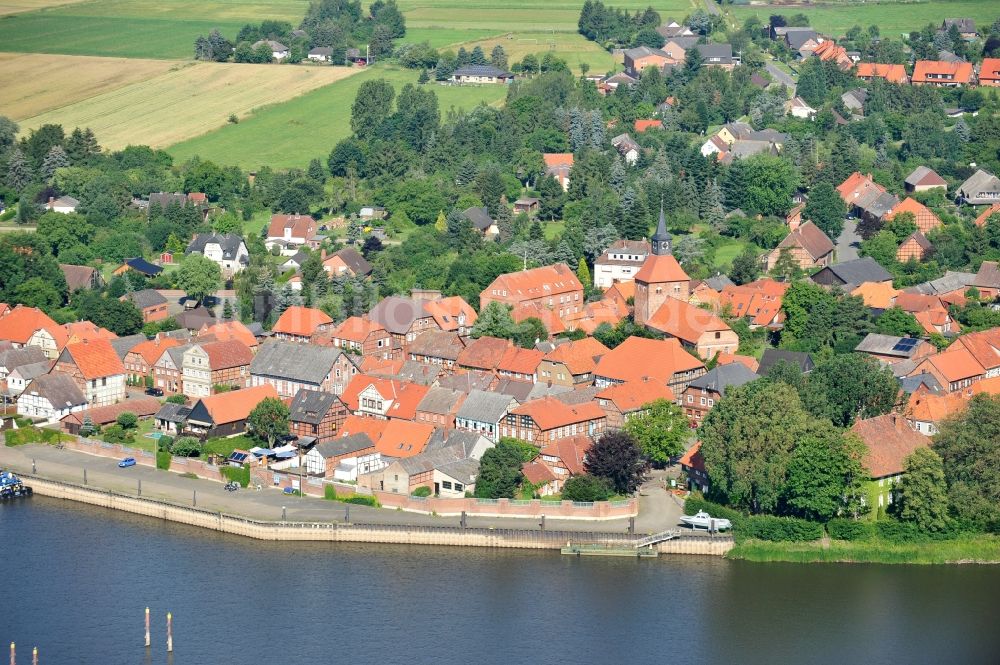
[982, 549]
[401, 534]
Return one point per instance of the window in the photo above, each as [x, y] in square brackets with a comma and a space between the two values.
[459, 487]
[703, 401]
[711, 402]
[690, 399]
[446, 484]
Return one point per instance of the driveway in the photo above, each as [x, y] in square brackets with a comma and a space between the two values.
[779, 76]
[848, 242]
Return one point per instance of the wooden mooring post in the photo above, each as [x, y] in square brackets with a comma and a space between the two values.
[170, 632]
[147, 628]
[13, 654]
[34, 656]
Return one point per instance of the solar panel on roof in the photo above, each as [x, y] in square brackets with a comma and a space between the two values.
[905, 345]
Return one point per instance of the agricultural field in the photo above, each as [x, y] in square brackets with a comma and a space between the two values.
[19, 6]
[891, 16]
[135, 28]
[571, 47]
[36, 82]
[290, 134]
[187, 100]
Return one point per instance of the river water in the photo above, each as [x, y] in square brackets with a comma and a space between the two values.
[76, 580]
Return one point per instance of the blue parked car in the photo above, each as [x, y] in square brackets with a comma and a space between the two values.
[128, 461]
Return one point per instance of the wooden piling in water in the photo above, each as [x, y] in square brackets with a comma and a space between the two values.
[147, 628]
[34, 656]
[13, 657]
[170, 633]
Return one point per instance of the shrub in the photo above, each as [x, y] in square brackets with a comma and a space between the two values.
[117, 434]
[177, 399]
[186, 446]
[127, 419]
[330, 493]
[24, 422]
[894, 531]
[164, 442]
[586, 488]
[163, 460]
[423, 490]
[846, 529]
[361, 500]
[238, 474]
[767, 527]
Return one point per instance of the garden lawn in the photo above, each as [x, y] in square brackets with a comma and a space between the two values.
[729, 250]
[290, 134]
[892, 18]
[574, 48]
[225, 447]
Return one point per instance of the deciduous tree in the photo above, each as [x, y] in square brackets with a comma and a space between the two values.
[661, 431]
[617, 458]
[268, 421]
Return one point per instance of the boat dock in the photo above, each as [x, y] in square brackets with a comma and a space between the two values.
[643, 548]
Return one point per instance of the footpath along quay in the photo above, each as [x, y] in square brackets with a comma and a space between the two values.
[270, 515]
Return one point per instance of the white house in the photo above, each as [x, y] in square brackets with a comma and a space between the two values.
[321, 54]
[51, 396]
[227, 250]
[20, 377]
[482, 412]
[278, 50]
[797, 108]
[620, 262]
[64, 204]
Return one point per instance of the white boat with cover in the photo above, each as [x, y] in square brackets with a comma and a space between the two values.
[702, 520]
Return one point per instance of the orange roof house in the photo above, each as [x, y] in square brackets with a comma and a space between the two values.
[889, 440]
[545, 420]
[383, 398]
[807, 245]
[96, 359]
[559, 165]
[941, 74]
[660, 277]
[760, 301]
[30, 326]
[857, 186]
[916, 247]
[954, 369]
[555, 287]
[229, 330]
[985, 348]
[925, 218]
[985, 215]
[989, 72]
[226, 414]
[625, 400]
[297, 229]
[891, 73]
[877, 295]
[484, 353]
[636, 358]
[298, 324]
[403, 439]
[520, 364]
[749, 362]
[452, 314]
[573, 362]
[696, 328]
[78, 331]
[644, 125]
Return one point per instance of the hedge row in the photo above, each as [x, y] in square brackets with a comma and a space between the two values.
[846, 529]
[31, 434]
[695, 503]
[768, 527]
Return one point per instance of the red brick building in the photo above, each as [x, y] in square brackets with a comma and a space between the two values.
[554, 287]
[316, 414]
[545, 420]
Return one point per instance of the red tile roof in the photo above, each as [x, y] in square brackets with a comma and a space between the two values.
[227, 330]
[686, 322]
[989, 71]
[549, 413]
[985, 215]
[484, 353]
[634, 395]
[448, 311]
[889, 440]
[403, 439]
[373, 427]
[102, 415]
[925, 218]
[638, 357]
[224, 355]
[405, 396]
[80, 330]
[579, 356]
[726, 358]
[660, 268]
[300, 321]
[537, 473]
[693, 459]
[957, 72]
[571, 451]
[236, 405]
[356, 329]
[984, 347]
[891, 73]
[544, 282]
[95, 359]
[811, 238]
[855, 185]
[152, 349]
[22, 322]
[642, 125]
[558, 158]
[956, 364]
[520, 361]
[302, 226]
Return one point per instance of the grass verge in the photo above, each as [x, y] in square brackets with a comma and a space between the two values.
[964, 549]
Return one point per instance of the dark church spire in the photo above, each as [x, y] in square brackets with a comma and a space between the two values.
[662, 238]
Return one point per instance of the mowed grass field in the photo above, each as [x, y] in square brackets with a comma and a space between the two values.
[136, 28]
[38, 82]
[290, 134]
[892, 17]
[571, 47]
[186, 101]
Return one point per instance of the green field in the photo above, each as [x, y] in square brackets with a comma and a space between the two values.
[292, 133]
[892, 17]
[135, 28]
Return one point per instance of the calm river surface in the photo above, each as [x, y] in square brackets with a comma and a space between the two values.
[75, 580]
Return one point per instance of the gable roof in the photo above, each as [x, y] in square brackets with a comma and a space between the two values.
[229, 243]
[123, 345]
[684, 321]
[956, 364]
[451, 313]
[311, 406]
[405, 395]
[722, 377]
[20, 323]
[224, 331]
[152, 349]
[988, 275]
[306, 363]
[633, 395]
[545, 281]
[95, 359]
[888, 345]
[483, 406]
[401, 438]
[59, 389]
[441, 401]
[552, 159]
[520, 361]
[344, 445]
[484, 353]
[936, 71]
[224, 355]
[571, 451]
[145, 298]
[102, 415]
[479, 217]
[984, 347]
[810, 238]
[772, 356]
[550, 413]
[923, 176]
[300, 321]
[77, 277]
[233, 406]
[397, 313]
[638, 357]
[890, 72]
[143, 266]
[579, 356]
[482, 70]
[660, 268]
[353, 260]
[299, 226]
[924, 217]
[889, 440]
[859, 271]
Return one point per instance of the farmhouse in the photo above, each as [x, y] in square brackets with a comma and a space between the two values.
[51, 397]
[481, 74]
[226, 414]
[227, 250]
[941, 74]
[96, 369]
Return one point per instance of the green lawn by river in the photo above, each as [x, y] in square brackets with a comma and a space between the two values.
[964, 549]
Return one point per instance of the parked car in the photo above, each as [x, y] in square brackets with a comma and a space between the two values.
[127, 462]
[155, 392]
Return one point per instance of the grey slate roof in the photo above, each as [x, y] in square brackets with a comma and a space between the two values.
[440, 400]
[486, 407]
[467, 381]
[952, 281]
[577, 395]
[306, 363]
[437, 344]
[229, 242]
[123, 345]
[464, 470]
[721, 53]
[31, 370]
[886, 345]
[480, 217]
[311, 406]
[353, 259]
[482, 70]
[731, 375]
[344, 445]
[448, 438]
[59, 389]
[772, 356]
[796, 38]
[981, 187]
[643, 51]
[911, 384]
[859, 271]
[719, 282]
[174, 413]
[396, 313]
[414, 372]
[145, 298]
[13, 358]
[538, 390]
[437, 459]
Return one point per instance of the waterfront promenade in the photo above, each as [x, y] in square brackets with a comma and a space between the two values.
[658, 510]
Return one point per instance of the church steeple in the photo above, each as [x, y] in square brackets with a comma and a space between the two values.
[662, 238]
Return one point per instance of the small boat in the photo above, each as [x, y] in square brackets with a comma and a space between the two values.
[702, 520]
[11, 487]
